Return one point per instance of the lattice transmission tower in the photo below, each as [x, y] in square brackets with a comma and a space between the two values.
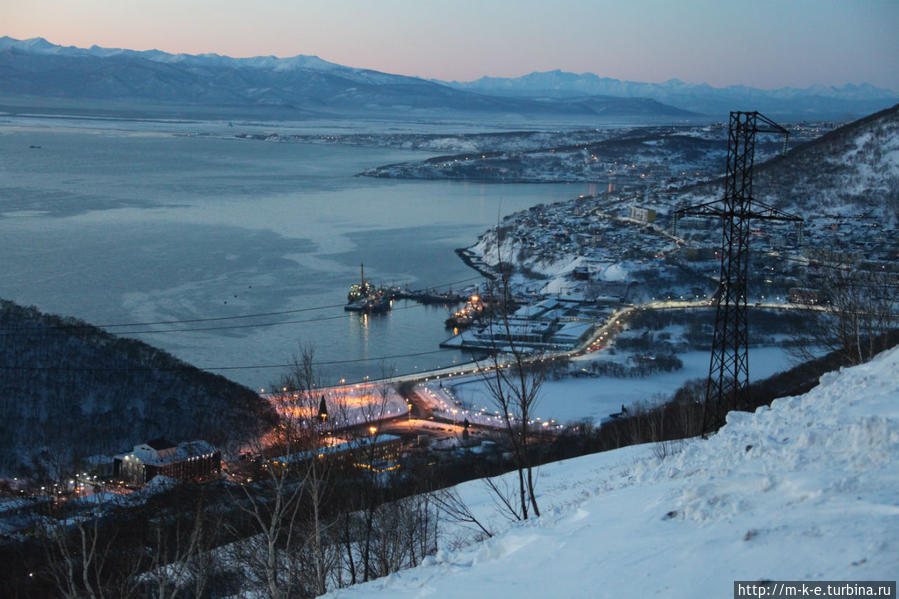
[728, 380]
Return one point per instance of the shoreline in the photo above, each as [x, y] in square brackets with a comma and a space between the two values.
[467, 256]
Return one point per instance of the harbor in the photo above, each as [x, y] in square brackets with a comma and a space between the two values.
[551, 324]
[367, 298]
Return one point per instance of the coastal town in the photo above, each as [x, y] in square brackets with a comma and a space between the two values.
[561, 281]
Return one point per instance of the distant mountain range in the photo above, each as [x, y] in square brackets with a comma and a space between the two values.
[309, 87]
[813, 102]
[302, 86]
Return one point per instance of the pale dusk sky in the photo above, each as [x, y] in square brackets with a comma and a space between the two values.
[763, 43]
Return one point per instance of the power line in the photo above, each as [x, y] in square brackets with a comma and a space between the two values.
[64, 329]
[241, 367]
[193, 320]
[229, 327]
[243, 326]
[257, 315]
[331, 362]
[70, 328]
[208, 319]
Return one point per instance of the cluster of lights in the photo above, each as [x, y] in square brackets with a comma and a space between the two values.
[469, 312]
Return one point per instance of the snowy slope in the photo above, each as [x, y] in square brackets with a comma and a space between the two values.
[805, 489]
[850, 171]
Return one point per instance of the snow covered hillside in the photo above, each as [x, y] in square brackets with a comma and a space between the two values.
[844, 185]
[852, 171]
[805, 489]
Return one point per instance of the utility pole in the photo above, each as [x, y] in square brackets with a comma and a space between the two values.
[728, 379]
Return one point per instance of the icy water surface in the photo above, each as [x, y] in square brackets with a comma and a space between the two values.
[135, 227]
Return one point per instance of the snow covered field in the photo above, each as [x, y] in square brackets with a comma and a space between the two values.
[803, 490]
[595, 397]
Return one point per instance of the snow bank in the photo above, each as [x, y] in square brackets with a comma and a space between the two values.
[614, 272]
[805, 489]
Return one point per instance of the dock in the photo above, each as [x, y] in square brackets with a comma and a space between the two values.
[365, 297]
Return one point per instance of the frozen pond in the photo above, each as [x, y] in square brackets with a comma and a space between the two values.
[595, 398]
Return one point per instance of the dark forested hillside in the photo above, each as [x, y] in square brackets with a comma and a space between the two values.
[69, 390]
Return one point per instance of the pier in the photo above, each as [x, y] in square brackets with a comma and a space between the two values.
[365, 297]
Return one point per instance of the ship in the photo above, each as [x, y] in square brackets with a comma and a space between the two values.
[361, 290]
[365, 297]
[473, 310]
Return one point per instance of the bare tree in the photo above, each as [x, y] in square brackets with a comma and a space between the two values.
[305, 538]
[180, 553]
[454, 508]
[202, 565]
[503, 496]
[405, 532]
[513, 378]
[861, 310]
[272, 507]
[83, 554]
[318, 553]
[402, 531]
[288, 553]
[371, 490]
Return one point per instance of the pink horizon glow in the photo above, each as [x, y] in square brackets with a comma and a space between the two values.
[766, 44]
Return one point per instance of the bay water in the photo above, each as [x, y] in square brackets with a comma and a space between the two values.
[124, 227]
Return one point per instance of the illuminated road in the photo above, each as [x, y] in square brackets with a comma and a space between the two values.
[429, 407]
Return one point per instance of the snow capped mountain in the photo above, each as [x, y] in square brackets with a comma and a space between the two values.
[298, 86]
[562, 83]
[35, 44]
[801, 490]
[817, 100]
[39, 45]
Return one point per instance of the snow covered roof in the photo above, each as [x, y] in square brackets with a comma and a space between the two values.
[183, 451]
[190, 449]
[529, 311]
[572, 331]
[550, 303]
[553, 314]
